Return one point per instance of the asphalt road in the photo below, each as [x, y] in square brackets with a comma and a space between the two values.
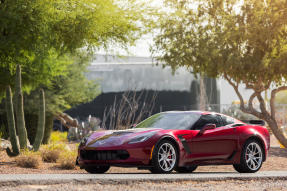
[18, 179]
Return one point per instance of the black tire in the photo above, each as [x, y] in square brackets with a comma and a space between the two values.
[188, 169]
[157, 165]
[245, 166]
[97, 169]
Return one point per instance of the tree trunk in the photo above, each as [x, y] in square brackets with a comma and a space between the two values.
[278, 133]
[263, 113]
[202, 98]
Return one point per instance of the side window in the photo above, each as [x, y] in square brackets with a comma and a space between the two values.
[205, 119]
[220, 121]
[227, 120]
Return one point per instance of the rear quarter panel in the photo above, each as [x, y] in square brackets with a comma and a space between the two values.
[247, 131]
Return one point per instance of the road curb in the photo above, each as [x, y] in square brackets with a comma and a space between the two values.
[50, 179]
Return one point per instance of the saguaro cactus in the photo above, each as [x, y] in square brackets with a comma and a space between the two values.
[20, 120]
[11, 125]
[41, 122]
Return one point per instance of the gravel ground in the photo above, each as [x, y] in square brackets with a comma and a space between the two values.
[276, 160]
[235, 185]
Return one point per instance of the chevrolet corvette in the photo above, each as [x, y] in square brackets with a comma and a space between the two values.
[180, 141]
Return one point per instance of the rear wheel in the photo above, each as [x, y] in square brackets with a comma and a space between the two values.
[251, 158]
[188, 169]
[97, 169]
[164, 158]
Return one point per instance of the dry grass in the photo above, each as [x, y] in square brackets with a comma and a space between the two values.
[28, 159]
[67, 160]
[51, 152]
[50, 156]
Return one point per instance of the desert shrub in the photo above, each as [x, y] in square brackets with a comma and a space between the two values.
[28, 159]
[51, 152]
[50, 156]
[58, 137]
[67, 160]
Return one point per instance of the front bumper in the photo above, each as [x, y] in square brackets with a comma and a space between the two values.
[117, 156]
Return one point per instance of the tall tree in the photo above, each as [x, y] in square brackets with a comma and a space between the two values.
[242, 41]
[37, 34]
[64, 92]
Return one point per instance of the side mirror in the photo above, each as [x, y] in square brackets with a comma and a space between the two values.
[207, 127]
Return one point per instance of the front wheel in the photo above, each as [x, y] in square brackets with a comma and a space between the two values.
[251, 158]
[97, 169]
[164, 158]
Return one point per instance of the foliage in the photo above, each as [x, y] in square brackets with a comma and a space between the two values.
[242, 41]
[38, 34]
[219, 37]
[67, 160]
[28, 159]
[58, 137]
[281, 97]
[65, 92]
[41, 122]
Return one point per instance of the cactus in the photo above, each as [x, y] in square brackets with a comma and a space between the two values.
[20, 121]
[11, 125]
[41, 122]
[18, 86]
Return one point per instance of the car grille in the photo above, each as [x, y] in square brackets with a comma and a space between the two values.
[104, 155]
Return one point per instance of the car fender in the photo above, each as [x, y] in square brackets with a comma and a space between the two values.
[176, 141]
[254, 132]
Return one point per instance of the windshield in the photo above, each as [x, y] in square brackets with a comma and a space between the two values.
[170, 121]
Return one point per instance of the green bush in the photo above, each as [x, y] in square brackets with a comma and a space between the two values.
[58, 137]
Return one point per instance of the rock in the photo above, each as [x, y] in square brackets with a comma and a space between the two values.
[4, 144]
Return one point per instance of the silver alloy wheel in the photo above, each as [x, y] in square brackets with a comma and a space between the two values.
[253, 156]
[166, 157]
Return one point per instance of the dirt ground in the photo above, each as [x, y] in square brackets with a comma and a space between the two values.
[236, 185]
[276, 160]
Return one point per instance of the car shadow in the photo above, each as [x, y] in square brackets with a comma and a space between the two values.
[174, 173]
[277, 151]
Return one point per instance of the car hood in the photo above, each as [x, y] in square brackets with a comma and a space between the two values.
[111, 138]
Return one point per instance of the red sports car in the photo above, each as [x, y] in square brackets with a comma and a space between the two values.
[178, 141]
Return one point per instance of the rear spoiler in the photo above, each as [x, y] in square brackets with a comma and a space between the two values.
[254, 122]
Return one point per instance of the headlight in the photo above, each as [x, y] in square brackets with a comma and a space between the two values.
[142, 138]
